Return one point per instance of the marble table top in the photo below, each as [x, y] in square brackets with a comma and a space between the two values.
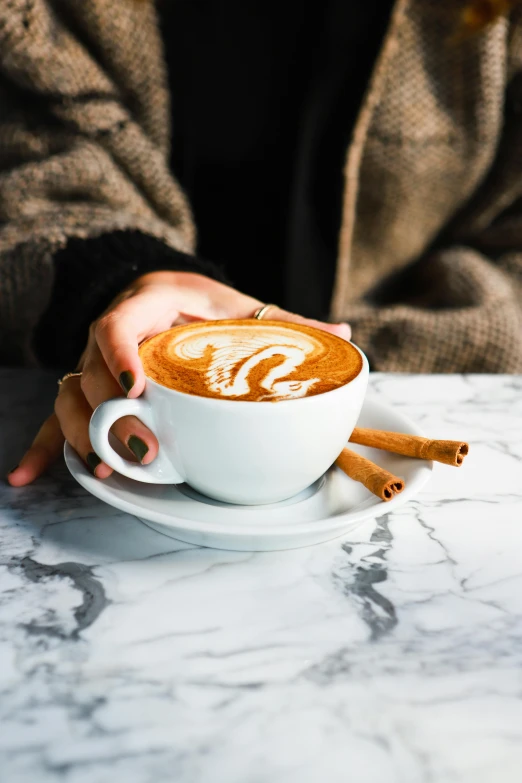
[393, 655]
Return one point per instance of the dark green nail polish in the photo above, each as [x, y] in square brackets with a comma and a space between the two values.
[126, 381]
[138, 447]
[93, 461]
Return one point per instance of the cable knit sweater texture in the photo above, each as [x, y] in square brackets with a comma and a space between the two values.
[429, 269]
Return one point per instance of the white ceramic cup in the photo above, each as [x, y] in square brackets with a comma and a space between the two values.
[235, 451]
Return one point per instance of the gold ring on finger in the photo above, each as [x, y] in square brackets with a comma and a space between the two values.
[262, 311]
[69, 375]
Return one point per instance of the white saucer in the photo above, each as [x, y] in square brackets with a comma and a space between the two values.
[329, 508]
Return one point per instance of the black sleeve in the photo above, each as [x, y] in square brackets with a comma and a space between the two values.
[89, 273]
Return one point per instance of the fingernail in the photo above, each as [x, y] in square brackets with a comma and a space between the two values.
[93, 461]
[13, 469]
[126, 381]
[138, 447]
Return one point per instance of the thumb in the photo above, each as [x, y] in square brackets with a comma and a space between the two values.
[341, 330]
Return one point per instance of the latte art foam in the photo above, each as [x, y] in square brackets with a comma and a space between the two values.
[234, 358]
[264, 361]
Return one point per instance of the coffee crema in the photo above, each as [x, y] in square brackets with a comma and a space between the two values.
[247, 360]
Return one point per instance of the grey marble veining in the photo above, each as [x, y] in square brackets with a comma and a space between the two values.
[393, 655]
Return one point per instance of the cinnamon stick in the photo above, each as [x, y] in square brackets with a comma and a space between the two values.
[450, 452]
[379, 481]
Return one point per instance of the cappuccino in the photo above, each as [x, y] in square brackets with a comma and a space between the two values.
[253, 361]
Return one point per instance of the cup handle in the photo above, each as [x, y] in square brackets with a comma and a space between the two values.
[161, 471]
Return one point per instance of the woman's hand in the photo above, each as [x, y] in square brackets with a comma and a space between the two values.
[111, 364]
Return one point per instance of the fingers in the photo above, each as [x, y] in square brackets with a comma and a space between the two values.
[118, 343]
[341, 330]
[119, 332]
[45, 449]
[161, 300]
[98, 385]
[157, 302]
[74, 413]
[208, 299]
[71, 419]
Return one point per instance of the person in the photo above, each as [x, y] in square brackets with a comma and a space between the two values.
[357, 163]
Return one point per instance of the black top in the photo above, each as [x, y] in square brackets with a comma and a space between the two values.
[264, 99]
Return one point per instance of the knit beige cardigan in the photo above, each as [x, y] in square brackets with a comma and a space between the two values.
[429, 269]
